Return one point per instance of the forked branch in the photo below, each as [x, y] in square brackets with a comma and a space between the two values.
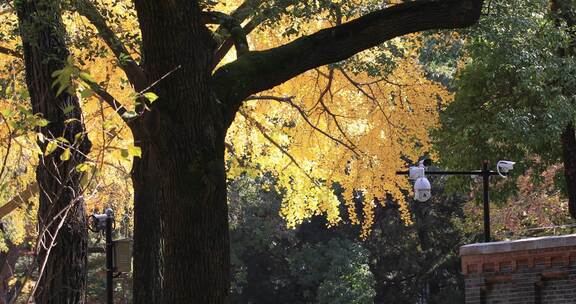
[233, 27]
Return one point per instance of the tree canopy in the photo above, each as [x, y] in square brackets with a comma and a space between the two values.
[316, 94]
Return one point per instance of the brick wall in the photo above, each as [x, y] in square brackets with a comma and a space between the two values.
[529, 271]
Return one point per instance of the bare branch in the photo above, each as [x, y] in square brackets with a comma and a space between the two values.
[289, 101]
[269, 97]
[334, 117]
[8, 148]
[110, 100]
[10, 52]
[264, 133]
[371, 96]
[228, 43]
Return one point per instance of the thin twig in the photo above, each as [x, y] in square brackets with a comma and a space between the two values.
[8, 148]
[304, 116]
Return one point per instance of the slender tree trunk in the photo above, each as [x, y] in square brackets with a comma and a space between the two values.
[7, 263]
[62, 259]
[563, 11]
[568, 141]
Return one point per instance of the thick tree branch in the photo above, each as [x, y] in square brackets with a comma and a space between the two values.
[242, 13]
[19, 199]
[262, 70]
[228, 43]
[133, 71]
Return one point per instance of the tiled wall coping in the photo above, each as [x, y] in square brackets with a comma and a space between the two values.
[519, 245]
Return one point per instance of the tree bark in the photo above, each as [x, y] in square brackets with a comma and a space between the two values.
[63, 279]
[181, 213]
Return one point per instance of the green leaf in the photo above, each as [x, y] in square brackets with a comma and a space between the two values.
[61, 89]
[135, 151]
[86, 92]
[78, 136]
[68, 109]
[123, 59]
[83, 167]
[56, 73]
[152, 97]
[65, 155]
[63, 140]
[24, 94]
[51, 147]
[124, 153]
[86, 77]
[85, 180]
[41, 122]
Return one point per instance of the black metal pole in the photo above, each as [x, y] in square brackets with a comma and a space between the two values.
[486, 185]
[109, 260]
[485, 173]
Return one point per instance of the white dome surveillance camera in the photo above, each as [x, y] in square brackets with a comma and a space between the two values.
[422, 189]
[504, 166]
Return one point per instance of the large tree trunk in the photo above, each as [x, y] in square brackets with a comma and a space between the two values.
[62, 258]
[181, 226]
[188, 190]
[181, 212]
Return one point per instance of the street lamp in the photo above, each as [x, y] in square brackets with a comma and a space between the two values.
[423, 191]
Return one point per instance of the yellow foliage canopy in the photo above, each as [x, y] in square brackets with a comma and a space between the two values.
[328, 126]
[333, 126]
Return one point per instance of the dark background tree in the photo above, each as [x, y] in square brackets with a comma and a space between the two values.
[317, 264]
[515, 96]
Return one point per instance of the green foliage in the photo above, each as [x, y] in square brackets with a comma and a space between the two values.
[420, 263]
[511, 100]
[291, 266]
[316, 264]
